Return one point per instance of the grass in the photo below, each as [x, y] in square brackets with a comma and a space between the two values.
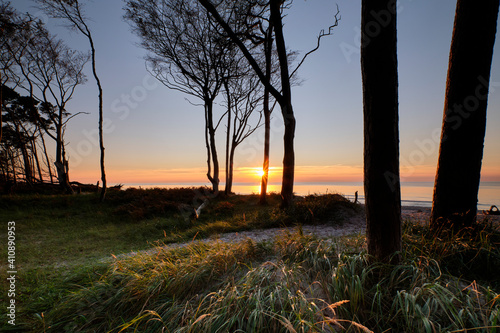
[293, 283]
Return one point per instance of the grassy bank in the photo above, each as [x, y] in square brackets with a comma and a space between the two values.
[292, 283]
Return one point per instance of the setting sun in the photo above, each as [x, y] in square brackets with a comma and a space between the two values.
[260, 172]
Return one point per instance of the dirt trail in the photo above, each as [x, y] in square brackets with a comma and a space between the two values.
[351, 226]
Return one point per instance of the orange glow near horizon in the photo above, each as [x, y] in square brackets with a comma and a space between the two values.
[303, 174]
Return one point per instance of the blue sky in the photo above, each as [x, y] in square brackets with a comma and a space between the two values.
[154, 135]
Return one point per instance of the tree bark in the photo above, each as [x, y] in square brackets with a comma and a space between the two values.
[227, 189]
[286, 107]
[1, 107]
[12, 164]
[61, 163]
[268, 48]
[46, 155]
[213, 149]
[37, 160]
[267, 142]
[100, 126]
[229, 184]
[464, 119]
[381, 134]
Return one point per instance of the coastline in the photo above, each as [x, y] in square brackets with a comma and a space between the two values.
[417, 194]
[422, 214]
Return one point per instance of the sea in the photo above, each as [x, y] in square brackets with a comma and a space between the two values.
[412, 193]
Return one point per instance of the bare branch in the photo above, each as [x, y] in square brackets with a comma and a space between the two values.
[321, 35]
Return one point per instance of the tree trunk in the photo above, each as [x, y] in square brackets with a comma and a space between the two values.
[268, 48]
[464, 120]
[381, 135]
[227, 189]
[1, 107]
[288, 157]
[101, 135]
[37, 160]
[286, 107]
[267, 141]
[229, 184]
[12, 163]
[49, 166]
[60, 163]
[211, 148]
[27, 164]
[24, 152]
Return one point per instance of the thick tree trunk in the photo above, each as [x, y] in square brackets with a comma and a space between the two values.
[381, 134]
[464, 120]
[288, 157]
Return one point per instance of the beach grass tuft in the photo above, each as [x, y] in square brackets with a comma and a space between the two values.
[90, 267]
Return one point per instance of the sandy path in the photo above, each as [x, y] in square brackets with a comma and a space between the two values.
[351, 226]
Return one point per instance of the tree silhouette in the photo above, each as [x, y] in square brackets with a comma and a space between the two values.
[381, 135]
[250, 15]
[23, 133]
[464, 120]
[243, 96]
[72, 11]
[50, 72]
[187, 54]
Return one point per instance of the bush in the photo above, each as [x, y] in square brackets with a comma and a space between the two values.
[223, 209]
[140, 204]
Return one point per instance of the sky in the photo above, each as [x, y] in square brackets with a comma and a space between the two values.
[154, 135]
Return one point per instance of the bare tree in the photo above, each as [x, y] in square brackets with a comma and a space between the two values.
[50, 72]
[273, 11]
[72, 11]
[187, 54]
[57, 71]
[464, 120]
[381, 134]
[10, 23]
[243, 95]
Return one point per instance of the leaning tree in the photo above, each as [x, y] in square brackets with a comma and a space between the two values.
[72, 11]
[50, 72]
[464, 120]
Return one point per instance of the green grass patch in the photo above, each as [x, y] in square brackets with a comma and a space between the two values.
[68, 280]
